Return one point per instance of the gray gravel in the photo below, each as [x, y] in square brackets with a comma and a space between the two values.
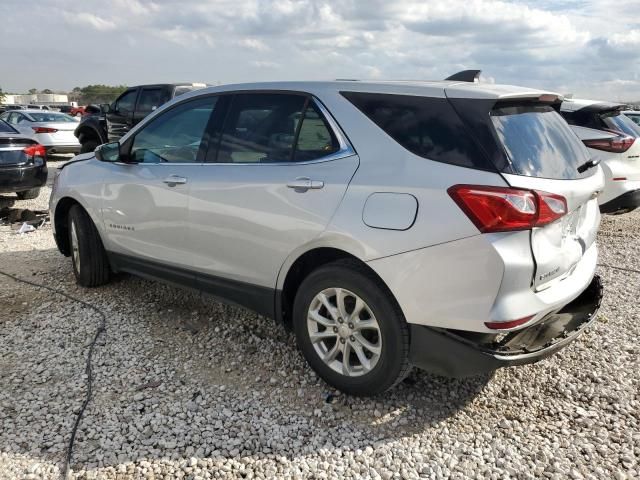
[189, 388]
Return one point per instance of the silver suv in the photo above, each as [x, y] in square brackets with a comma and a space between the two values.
[445, 225]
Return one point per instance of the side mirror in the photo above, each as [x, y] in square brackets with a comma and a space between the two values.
[108, 152]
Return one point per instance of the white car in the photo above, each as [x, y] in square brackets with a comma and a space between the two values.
[445, 225]
[634, 115]
[614, 140]
[53, 130]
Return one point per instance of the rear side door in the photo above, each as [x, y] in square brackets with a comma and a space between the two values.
[545, 155]
[275, 174]
[146, 200]
[149, 99]
[120, 115]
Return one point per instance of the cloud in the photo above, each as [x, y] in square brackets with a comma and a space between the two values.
[565, 45]
[90, 20]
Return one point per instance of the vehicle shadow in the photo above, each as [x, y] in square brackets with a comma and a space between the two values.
[179, 375]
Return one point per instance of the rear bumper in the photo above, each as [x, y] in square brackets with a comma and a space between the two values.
[63, 148]
[455, 353]
[626, 202]
[19, 179]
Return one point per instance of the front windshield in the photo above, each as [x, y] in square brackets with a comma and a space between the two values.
[50, 117]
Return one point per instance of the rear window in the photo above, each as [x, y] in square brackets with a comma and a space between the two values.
[50, 117]
[426, 126]
[539, 143]
[620, 123]
[6, 128]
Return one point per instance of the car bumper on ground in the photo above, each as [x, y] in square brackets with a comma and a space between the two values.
[457, 354]
[20, 178]
[624, 203]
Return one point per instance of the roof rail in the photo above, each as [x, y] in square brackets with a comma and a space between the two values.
[465, 76]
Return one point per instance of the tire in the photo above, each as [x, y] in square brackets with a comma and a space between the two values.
[351, 280]
[28, 194]
[88, 145]
[89, 259]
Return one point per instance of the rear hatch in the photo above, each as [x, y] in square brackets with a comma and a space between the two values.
[545, 155]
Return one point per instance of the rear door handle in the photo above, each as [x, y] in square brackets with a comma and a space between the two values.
[303, 184]
[173, 180]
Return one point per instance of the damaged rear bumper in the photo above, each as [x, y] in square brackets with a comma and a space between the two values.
[454, 353]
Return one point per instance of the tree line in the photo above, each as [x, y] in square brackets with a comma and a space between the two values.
[84, 95]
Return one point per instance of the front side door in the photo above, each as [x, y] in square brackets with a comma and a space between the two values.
[120, 115]
[279, 173]
[145, 206]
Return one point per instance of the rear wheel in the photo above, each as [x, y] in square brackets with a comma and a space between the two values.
[350, 329]
[88, 145]
[28, 194]
[89, 259]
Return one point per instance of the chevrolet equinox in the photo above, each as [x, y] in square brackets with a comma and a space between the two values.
[446, 225]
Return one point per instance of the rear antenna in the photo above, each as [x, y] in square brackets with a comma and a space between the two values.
[465, 76]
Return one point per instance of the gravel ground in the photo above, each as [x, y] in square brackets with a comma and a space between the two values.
[188, 388]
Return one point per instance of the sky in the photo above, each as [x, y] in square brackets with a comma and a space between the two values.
[588, 48]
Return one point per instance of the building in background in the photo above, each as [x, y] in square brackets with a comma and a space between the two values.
[36, 99]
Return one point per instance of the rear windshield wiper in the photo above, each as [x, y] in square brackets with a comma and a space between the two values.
[587, 165]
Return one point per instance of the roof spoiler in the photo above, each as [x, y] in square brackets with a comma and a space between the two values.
[465, 76]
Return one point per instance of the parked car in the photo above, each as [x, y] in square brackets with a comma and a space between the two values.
[52, 129]
[634, 115]
[446, 225]
[38, 107]
[612, 138]
[77, 111]
[125, 112]
[65, 109]
[23, 165]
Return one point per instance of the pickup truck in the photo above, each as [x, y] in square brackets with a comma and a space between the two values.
[108, 123]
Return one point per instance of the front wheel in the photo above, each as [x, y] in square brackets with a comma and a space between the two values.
[350, 329]
[90, 263]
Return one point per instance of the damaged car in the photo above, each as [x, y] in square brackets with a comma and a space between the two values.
[23, 164]
[447, 225]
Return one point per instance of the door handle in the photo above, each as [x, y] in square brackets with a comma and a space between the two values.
[173, 180]
[302, 184]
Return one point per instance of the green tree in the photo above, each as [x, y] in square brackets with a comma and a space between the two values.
[33, 91]
[100, 93]
[2, 95]
[46, 90]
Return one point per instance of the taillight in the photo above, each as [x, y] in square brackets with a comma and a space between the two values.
[35, 151]
[616, 145]
[44, 130]
[502, 209]
[508, 323]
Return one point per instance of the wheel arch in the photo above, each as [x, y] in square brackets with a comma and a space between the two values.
[299, 268]
[88, 131]
[60, 222]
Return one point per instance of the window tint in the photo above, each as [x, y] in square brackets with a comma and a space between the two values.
[6, 128]
[261, 128]
[620, 123]
[315, 138]
[539, 143]
[151, 98]
[426, 126]
[127, 102]
[175, 135]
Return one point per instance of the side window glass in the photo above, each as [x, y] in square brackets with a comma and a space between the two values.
[175, 135]
[126, 103]
[151, 98]
[260, 128]
[315, 138]
[19, 118]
